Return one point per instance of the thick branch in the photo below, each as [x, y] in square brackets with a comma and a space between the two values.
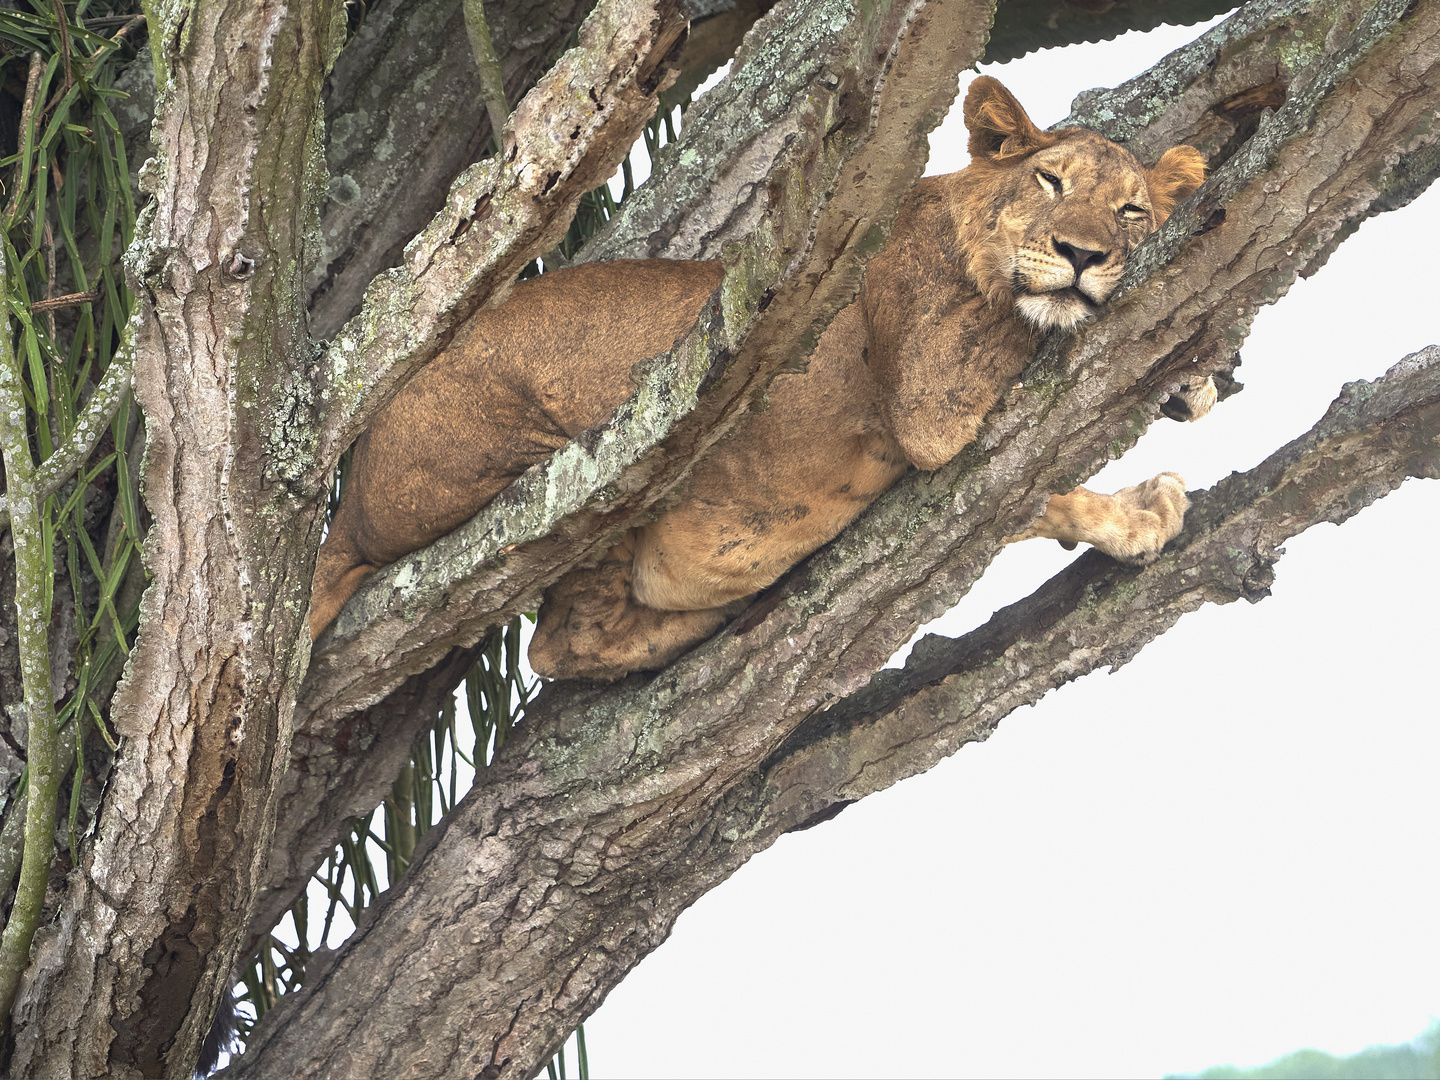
[1097, 612]
[351, 768]
[631, 857]
[1022, 26]
[554, 861]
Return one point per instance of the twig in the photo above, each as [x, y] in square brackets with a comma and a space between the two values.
[68, 300]
[60, 466]
[27, 112]
[136, 22]
[64, 42]
[34, 648]
[49, 246]
[492, 81]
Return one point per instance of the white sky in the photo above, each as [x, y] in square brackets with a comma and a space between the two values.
[1220, 854]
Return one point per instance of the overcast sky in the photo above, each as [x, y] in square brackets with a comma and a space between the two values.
[1221, 853]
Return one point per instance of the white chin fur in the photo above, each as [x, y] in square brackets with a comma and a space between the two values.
[1053, 311]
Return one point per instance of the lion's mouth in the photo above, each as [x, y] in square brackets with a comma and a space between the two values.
[1056, 308]
[1061, 294]
[1071, 292]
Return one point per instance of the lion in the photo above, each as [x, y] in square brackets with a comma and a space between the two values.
[1031, 236]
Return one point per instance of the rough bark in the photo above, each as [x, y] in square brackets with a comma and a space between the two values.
[126, 980]
[573, 858]
[243, 417]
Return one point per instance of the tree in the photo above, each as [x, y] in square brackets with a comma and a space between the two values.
[612, 808]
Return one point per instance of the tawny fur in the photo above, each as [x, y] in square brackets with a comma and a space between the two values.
[1032, 235]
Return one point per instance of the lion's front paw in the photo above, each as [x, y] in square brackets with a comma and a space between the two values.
[1143, 519]
[1132, 525]
[1192, 401]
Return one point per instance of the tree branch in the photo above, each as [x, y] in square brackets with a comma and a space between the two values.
[406, 87]
[32, 586]
[1023, 26]
[52, 473]
[1267, 239]
[1097, 612]
[560, 862]
[492, 79]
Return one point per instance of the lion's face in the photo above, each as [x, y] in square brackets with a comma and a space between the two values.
[1077, 209]
[1051, 217]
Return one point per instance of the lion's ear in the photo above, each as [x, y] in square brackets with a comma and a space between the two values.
[1178, 174]
[998, 125]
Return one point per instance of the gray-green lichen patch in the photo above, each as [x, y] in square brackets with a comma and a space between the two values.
[343, 189]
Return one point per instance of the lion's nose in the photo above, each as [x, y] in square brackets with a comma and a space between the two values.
[1079, 257]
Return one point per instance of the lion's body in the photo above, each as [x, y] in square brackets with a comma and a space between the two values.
[1031, 235]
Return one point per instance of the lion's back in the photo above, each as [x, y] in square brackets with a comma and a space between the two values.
[519, 381]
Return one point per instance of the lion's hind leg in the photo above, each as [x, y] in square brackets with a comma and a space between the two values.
[1132, 525]
[591, 628]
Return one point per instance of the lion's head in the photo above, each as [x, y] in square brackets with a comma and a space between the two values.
[1048, 218]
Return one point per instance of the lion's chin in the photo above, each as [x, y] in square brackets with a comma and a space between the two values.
[1064, 309]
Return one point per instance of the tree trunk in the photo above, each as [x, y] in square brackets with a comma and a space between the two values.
[127, 979]
[245, 418]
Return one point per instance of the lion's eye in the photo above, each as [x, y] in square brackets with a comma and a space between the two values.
[1049, 181]
[1130, 210]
